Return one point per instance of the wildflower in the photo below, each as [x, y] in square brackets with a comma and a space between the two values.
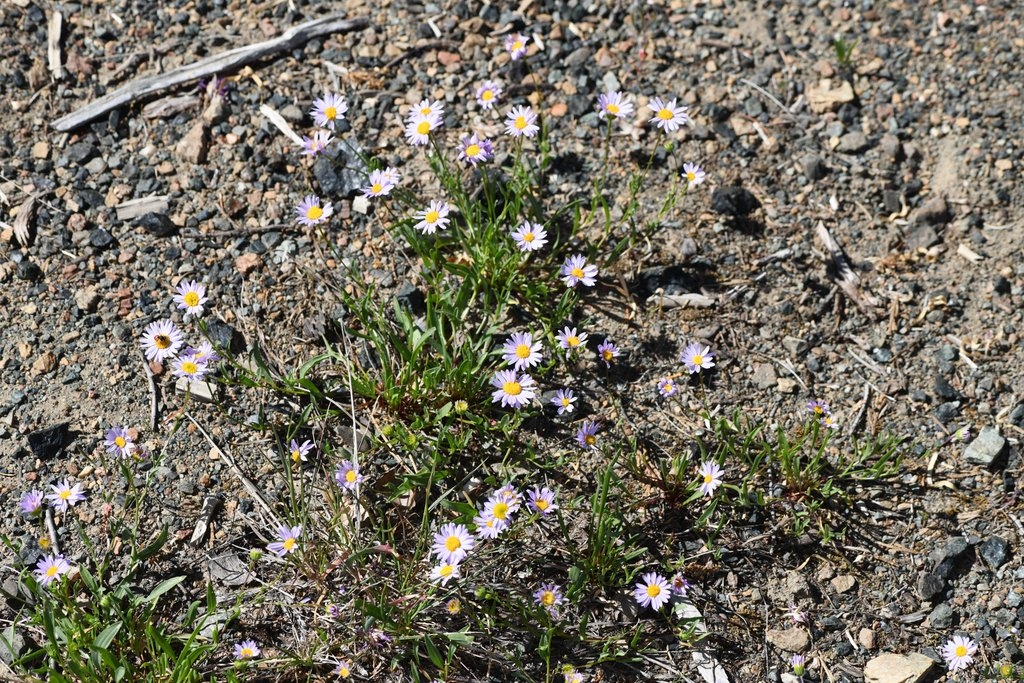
[608, 352]
[474, 150]
[666, 387]
[50, 568]
[529, 236]
[347, 475]
[694, 175]
[418, 129]
[191, 296]
[959, 652]
[521, 351]
[613, 105]
[564, 399]
[334, 611]
[586, 435]
[509, 494]
[161, 340]
[711, 475]
[680, 586]
[512, 389]
[487, 526]
[380, 184]
[64, 495]
[444, 572]
[204, 353]
[487, 94]
[117, 441]
[515, 43]
[798, 663]
[573, 676]
[696, 357]
[521, 122]
[454, 606]
[818, 407]
[329, 109]
[549, 596]
[653, 591]
[453, 543]
[31, 502]
[569, 340]
[795, 615]
[542, 500]
[433, 218]
[344, 668]
[247, 649]
[962, 434]
[289, 542]
[500, 509]
[667, 115]
[828, 422]
[299, 452]
[575, 270]
[309, 212]
[187, 365]
[316, 144]
[427, 108]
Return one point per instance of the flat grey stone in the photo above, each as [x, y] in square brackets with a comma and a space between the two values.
[987, 449]
[853, 143]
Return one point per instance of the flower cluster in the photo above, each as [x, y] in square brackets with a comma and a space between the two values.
[654, 590]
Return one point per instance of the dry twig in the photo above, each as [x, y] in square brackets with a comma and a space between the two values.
[225, 61]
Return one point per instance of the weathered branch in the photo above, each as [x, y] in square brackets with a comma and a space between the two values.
[220, 63]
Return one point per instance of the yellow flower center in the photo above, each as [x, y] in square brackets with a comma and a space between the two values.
[52, 570]
[500, 511]
[377, 188]
[120, 441]
[520, 122]
[590, 439]
[665, 114]
[612, 108]
[446, 570]
[473, 151]
[607, 354]
[698, 360]
[314, 212]
[289, 544]
[540, 502]
[351, 476]
[191, 299]
[487, 95]
[523, 351]
[189, 368]
[572, 341]
[248, 652]
[425, 111]
[432, 216]
[423, 127]
[565, 402]
[162, 341]
[453, 543]
[961, 651]
[454, 606]
[653, 590]
[296, 456]
[517, 45]
[512, 388]
[330, 113]
[708, 478]
[343, 671]
[547, 598]
[65, 494]
[691, 176]
[528, 237]
[578, 272]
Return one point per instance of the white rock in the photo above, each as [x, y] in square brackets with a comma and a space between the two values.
[894, 668]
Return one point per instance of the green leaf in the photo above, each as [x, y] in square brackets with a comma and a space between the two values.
[433, 653]
[154, 547]
[163, 588]
[107, 635]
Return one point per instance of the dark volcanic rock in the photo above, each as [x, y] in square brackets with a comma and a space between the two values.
[159, 224]
[995, 551]
[225, 336]
[733, 200]
[48, 442]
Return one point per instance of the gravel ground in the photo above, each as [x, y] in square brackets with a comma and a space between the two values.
[913, 171]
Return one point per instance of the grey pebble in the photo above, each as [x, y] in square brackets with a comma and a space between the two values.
[995, 551]
[987, 449]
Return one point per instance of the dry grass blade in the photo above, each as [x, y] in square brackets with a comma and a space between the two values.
[26, 211]
[844, 275]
